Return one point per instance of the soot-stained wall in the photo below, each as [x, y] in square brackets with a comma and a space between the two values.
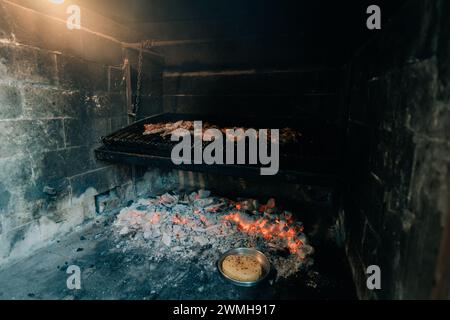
[294, 93]
[398, 153]
[57, 98]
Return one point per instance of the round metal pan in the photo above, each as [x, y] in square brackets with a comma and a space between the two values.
[258, 255]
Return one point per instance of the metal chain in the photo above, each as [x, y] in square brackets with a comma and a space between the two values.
[145, 44]
[139, 80]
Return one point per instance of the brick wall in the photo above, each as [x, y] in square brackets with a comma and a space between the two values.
[399, 152]
[54, 107]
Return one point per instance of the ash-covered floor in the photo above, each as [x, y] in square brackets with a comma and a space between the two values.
[110, 274]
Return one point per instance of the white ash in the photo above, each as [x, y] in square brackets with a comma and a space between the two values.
[200, 227]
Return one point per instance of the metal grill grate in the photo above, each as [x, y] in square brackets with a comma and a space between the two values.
[316, 154]
[313, 144]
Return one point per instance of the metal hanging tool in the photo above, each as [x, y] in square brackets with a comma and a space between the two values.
[139, 81]
[146, 44]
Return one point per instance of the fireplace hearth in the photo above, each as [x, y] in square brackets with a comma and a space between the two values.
[167, 247]
[146, 144]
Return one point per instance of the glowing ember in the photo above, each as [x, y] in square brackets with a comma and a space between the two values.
[179, 220]
[268, 229]
[186, 226]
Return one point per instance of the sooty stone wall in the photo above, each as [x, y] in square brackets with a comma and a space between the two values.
[294, 93]
[399, 153]
[54, 107]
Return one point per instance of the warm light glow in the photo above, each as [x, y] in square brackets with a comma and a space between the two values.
[269, 229]
[57, 1]
[178, 220]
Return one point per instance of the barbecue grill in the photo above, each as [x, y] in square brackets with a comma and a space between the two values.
[314, 159]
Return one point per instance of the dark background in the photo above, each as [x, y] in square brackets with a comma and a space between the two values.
[330, 31]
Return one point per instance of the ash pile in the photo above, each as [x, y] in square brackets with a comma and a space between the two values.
[200, 227]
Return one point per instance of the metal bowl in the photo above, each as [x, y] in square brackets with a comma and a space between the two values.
[258, 255]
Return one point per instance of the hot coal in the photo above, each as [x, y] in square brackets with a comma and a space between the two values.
[199, 228]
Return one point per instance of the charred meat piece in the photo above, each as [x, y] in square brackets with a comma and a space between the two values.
[287, 135]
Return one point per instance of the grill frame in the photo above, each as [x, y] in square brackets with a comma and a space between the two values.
[129, 146]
